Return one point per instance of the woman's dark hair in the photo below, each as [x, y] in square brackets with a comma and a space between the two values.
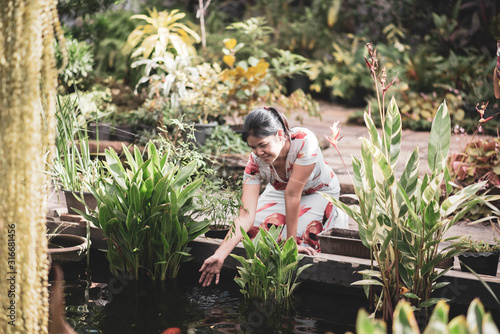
[264, 122]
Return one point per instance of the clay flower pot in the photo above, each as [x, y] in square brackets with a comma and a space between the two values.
[67, 248]
[73, 203]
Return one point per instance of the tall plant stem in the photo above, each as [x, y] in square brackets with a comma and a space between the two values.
[465, 151]
[343, 162]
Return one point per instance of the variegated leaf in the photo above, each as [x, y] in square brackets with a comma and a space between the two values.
[372, 130]
[358, 173]
[368, 165]
[381, 161]
[452, 203]
[409, 178]
[432, 188]
[403, 195]
[439, 140]
[431, 217]
[392, 128]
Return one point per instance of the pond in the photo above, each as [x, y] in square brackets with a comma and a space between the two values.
[97, 302]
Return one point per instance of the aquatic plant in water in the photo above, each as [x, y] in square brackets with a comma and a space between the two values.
[145, 213]
[403, 220]
[269, 272]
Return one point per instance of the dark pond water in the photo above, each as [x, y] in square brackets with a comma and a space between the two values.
[115, 305]
[98, 302]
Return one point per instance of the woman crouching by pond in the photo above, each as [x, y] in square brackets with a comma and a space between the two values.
[291, 162]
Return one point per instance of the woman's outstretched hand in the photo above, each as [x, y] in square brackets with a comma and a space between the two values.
[307, 250]
[210, 268]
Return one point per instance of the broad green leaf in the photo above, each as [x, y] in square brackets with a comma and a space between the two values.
[304, 267]
[146, 189]
[430, 302]
[153, 154]
[183, 174]
[431, 215]
[189, 191]
[138, 157]
[367, 282]
[371, 273]
[440, 285]
[135, 198]
[132, 164]
[411, 295]
[115, 167]
[159, 192]
[439, 140]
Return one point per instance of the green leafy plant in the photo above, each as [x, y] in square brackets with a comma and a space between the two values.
[110, 31]
[467, 244]
[349, 76]
[73, 168]
[221, 203]
[80, 63]
[223, 140]
[254, 81]
[194, 92]
[145, 213]
[270, 270]
[476, 321]
[403, 220]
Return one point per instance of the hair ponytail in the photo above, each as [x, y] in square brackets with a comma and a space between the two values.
[264, 122]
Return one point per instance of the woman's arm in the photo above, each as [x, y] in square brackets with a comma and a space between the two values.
[293, 193]
[213, 265]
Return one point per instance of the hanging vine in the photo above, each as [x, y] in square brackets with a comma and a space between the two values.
[27, 106]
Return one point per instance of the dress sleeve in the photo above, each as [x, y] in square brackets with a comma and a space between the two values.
[252, 174]
[308, 147]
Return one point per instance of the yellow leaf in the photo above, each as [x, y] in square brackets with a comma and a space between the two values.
[229, 60]
[333, 13]
[230, 43]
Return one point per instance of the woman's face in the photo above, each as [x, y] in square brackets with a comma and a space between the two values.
[267, 148]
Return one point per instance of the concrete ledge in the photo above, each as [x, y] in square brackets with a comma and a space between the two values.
[337, 270]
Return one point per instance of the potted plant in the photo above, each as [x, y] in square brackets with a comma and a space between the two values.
[221, 206]
[478, 256]
[480, 161]
[185, 90]
[73, 168]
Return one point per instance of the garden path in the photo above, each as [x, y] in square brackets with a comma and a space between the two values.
[350, 145]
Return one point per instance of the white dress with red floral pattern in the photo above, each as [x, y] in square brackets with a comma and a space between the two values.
[316, 212]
